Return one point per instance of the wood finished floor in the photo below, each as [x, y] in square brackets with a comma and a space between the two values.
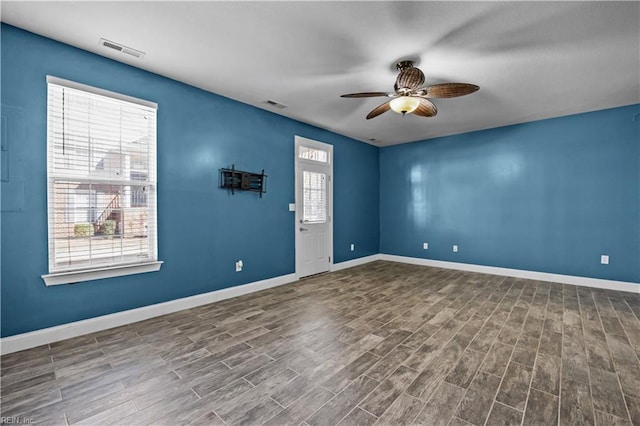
[383, 343]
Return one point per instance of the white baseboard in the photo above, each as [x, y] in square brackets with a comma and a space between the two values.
[78, 328]
[354, 262]
[66, 331]
[518, 273]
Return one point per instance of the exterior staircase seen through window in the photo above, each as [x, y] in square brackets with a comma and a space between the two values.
[109, 221]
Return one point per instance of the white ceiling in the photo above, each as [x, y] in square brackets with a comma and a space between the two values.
[531, 60]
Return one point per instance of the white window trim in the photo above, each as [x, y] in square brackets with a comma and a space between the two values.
[73, 277]
[97, 91]
[76, 276]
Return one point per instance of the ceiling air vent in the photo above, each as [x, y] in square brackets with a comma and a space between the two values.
[121, 48]
[374, 140]
[275, 104]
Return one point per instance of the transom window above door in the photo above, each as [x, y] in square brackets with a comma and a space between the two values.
[313, 154]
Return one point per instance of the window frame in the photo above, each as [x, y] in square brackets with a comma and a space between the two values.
[74, 275]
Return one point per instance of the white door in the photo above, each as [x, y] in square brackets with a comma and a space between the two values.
[314, 197]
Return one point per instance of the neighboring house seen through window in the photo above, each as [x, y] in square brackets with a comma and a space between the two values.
[101, 183]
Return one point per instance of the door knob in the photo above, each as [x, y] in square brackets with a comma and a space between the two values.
[304, 229]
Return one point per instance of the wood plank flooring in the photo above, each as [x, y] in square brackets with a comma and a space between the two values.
[384, 343]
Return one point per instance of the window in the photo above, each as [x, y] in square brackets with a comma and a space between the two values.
[101, 171]
[318, 155]
[82, 206]
[314, 192]
[139, 193]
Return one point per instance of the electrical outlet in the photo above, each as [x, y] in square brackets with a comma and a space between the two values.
[455, 248]
[425, 246]
[353, 247]
[239, 266]
[604, 259]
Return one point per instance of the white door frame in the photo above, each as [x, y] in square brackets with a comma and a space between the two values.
[298, 142]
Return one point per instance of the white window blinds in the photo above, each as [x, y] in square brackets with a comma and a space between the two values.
[314, 197]
[101, 171]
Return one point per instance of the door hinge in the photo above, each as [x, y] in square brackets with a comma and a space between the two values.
[329, 259]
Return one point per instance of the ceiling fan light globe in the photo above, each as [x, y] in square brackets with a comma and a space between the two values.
[404, 104]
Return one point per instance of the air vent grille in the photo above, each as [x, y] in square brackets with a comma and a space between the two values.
[110, 45]
[275, 104]
[121, 48]
[133, 52]
[374, 140]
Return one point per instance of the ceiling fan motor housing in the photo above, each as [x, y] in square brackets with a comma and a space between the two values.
[410, 78]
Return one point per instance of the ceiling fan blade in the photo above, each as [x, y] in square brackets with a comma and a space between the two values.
[450, 90]
[366, 95]
[426, 108]
[379, 110]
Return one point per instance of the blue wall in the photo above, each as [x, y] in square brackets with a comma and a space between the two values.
[549, 196]
[202, 230]
[545, 196]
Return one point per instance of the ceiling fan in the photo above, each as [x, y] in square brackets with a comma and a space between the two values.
[409, 97]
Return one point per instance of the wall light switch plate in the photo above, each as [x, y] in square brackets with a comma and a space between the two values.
[353, 247]
[425, 246]
[604, 259]
[455, 248]
[292, 207]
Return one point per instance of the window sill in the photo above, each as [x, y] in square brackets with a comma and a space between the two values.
[73, 277]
